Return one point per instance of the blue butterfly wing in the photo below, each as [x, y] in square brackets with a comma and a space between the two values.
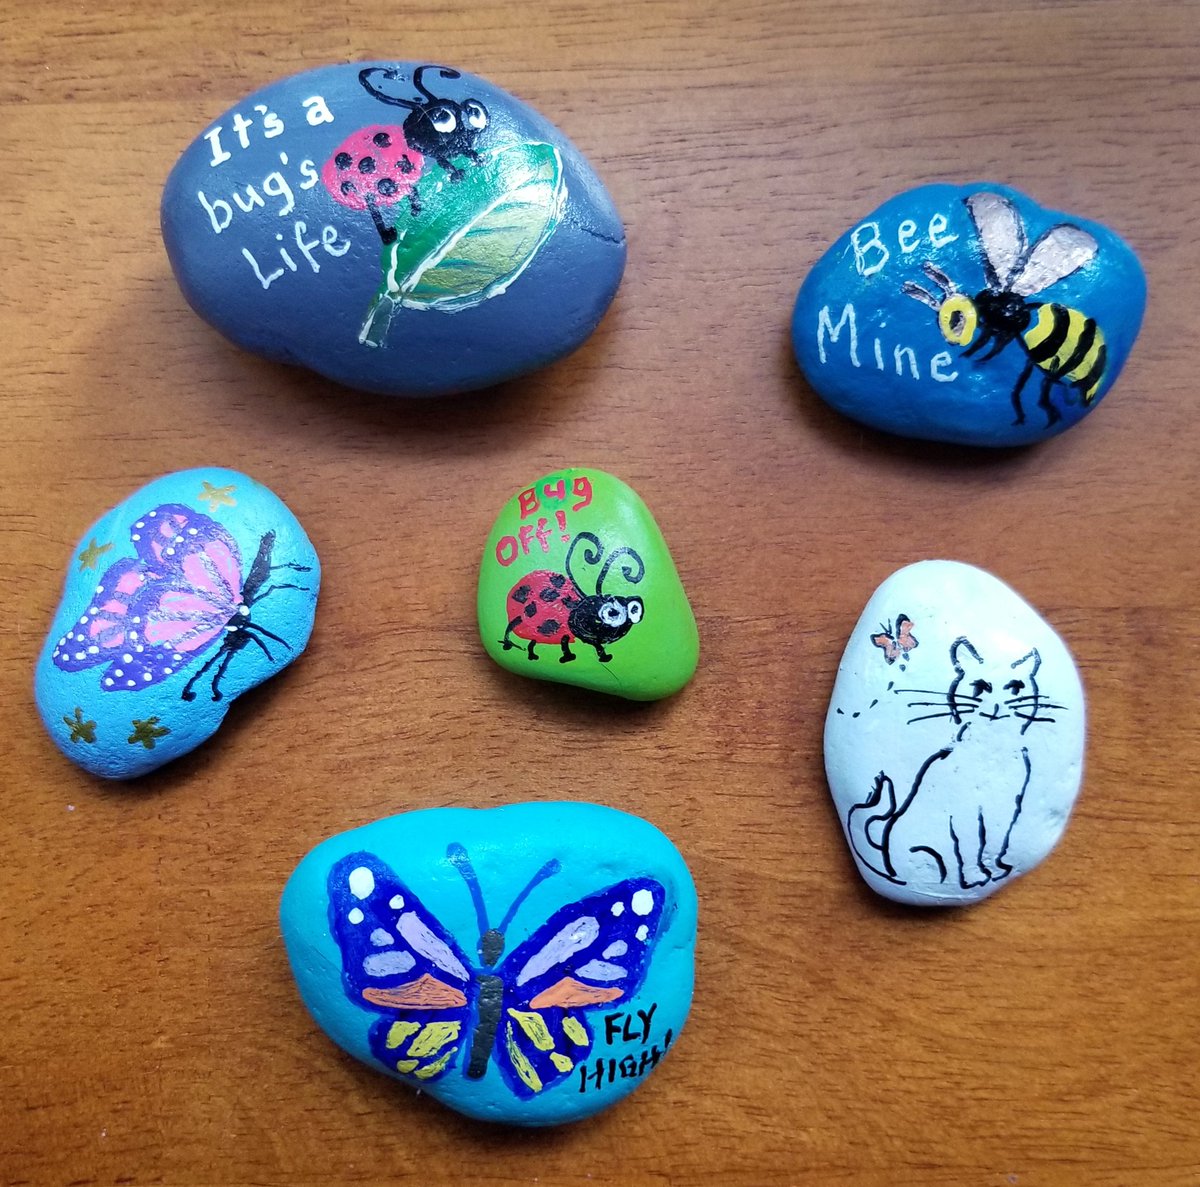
[102, 633]
[590, 955]
[398, 960]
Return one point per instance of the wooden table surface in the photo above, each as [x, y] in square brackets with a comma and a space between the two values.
[151, 1030]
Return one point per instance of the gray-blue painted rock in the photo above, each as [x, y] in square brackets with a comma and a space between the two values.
[955, 736]
[398, 227]
[969, 314]
[530, 964]
[194, 589]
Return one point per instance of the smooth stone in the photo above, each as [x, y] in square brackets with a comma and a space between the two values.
[577, 586]
[903, 325]
[346, 220]
[955, 736]
[530, 964]
[194, 589]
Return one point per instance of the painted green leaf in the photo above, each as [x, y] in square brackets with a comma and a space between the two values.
[475, 236]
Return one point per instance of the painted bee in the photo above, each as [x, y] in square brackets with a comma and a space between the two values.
[1067, 345]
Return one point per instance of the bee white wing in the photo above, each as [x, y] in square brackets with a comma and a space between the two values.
[1002, 234]
[1062, 250]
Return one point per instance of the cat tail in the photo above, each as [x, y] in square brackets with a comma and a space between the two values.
[866, 827]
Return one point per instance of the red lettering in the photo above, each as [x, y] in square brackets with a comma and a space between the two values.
[558, 491]
[527, 500]
[581, 487]
[506, 545]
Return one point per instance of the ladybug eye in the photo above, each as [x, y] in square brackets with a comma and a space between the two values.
[635, 611]
[443, 120]
[612, 614]
[476, 114]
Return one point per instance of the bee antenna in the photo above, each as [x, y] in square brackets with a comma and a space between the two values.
[939, 278]
[443, 71]
[918, 293]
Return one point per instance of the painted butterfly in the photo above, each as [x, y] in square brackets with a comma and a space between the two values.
[157, 612]
[437, 1008]
[895, 645]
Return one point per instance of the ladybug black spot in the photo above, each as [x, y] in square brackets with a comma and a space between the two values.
[531, 610]
[569, 603]
[382, 139]
[550, 628]
[387, 187]
[343, 160]
[348, 187]
[549, 594]
[521, 593]
[366, 165]
[557, 580]
[406, 166]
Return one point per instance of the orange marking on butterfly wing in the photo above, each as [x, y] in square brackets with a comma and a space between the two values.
[888, 645]
[425, 993]
[569, 992]
[904, 635]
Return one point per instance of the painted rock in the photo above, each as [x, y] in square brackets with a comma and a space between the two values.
[401, 228]
[954, 740]
[529, 964]
[969, 314]
[194, 589]
[577, 586]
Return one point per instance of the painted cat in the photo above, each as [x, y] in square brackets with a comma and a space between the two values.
[957, 816]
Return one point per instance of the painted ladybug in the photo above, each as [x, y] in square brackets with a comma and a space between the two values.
[548, 607]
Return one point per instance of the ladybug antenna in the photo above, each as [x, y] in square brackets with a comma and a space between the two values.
[391, 73]
[548, 870]
[627, 571]
[591, 556]
[457, 856]
[443, 71]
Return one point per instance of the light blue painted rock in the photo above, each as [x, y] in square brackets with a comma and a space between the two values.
[397, 227]
[197, 587]
[955, 736]
[530, 964]
[969, 314]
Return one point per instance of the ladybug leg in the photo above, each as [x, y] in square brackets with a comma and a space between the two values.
[567, 654]
[531, 647]
[601, 654]
[506, 642]
[414, 204]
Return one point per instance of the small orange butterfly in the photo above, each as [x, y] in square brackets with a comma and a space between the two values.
[895, 645]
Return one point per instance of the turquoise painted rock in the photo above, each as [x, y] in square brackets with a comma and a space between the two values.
[955, 736]
[530, 964]
[197, 587]
[399, 227]
[577, 586]
[969, 314]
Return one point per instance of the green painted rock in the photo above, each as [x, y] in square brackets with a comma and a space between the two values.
[577, 586]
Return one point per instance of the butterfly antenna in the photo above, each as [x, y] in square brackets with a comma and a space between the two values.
[547, 871]
[457, 857]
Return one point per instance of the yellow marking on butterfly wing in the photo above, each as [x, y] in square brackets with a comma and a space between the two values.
[561, 1062]
[434, 1037]
[535, 1027]
[574, 1030]
[524, 1069]
[407, 1065]
[398, 1032]
[432, 1069]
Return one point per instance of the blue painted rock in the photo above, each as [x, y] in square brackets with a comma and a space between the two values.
[197, 587]
[955, 737]
[577, 586]
[971, 315]
[401, 228]
[529, 964]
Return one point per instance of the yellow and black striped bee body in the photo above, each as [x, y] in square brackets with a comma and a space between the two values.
[1066, 345]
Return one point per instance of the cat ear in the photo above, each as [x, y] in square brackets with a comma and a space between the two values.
[960, 645]
[1029, 663]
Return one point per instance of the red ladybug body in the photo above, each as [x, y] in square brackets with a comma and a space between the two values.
[542, 601]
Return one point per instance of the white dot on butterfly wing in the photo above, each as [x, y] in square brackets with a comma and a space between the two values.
[108, 682]
[141, 523]
[361, 882]
[642, 902]
[93, 650]
[127, 659]
[80, 655]
[396, 902]
[119, 672]
[146, 676]
[618, 908]
[83, 621]
[642, 932]
[130, 683]
[355, 916]
[134, 536]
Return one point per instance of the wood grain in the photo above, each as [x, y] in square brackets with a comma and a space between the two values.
[151, 1033]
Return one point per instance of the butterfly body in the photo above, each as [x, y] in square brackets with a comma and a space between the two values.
[524, 1012]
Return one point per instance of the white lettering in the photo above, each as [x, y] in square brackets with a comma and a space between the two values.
[272, 124]
[240, 124]
[937, 227]
[898, 356]
[906, 236]
[306, 247]
[317, 111]
[265, 281]
[861, 249]
[940, 360]
[309, 170]
[214, 139]
[330, 244]
[825, 326]
[253, 199]
[212, 208]
[275, 186]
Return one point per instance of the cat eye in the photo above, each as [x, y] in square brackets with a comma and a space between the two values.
[1014, 686]
[980, 687]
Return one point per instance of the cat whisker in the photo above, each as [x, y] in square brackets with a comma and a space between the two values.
[932, 692]
[928, 717]
[1034, 705]
[928, 704]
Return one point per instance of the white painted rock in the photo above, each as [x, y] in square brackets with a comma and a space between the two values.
[955, 736]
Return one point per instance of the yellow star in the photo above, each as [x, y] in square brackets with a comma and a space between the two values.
[89, 558]
[147, 732]
[216, 496]
[81, 731]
